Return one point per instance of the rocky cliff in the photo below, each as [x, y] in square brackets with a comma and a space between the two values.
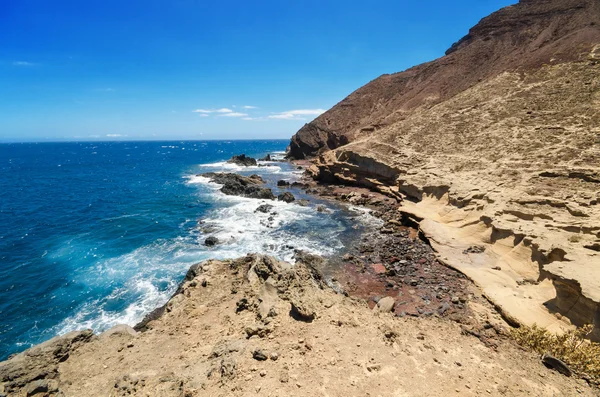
[494, 146]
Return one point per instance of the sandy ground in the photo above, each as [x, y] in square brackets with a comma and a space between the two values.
[258, 326]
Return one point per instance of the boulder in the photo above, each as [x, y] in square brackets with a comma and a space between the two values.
[556, 364]
[243, 160]
[266, 158]
[283, 183]
[385, 305]
[287, 197]
[260, 355]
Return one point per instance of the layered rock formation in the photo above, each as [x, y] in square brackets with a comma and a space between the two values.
[257, 326]
[494, 145]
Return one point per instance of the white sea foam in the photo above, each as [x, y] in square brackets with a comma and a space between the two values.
[270, 167]
[146, 277]
[365, 216]
[198, 179]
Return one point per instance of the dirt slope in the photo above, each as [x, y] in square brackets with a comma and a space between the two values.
[257, 326]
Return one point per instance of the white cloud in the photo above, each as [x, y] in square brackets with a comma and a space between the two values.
[294, 114]
[283, 116]
[208, 111]
[234, 114]
[23, 63]
[250, 107]
[114, 135]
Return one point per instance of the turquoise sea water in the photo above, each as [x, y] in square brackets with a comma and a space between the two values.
[97, 234]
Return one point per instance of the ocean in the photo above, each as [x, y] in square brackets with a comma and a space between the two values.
[95, 234]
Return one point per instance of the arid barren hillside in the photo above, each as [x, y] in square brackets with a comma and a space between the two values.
[493, 146]
[256, 326]
[519, 38]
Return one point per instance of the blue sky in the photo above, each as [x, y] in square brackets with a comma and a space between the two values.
[190, 69]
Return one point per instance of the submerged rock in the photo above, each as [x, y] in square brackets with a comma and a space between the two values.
[243, 160]
[264, 208]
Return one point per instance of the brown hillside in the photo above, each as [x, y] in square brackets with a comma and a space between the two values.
[516, 38]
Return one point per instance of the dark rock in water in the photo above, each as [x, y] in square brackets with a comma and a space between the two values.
[238, 185]
[266, 158]
[264, 208]
[282, 183]
[299, 185]
[211, 241]
[303, 202]
[287, 197]
[243, 160]
[259, 193]
[321, 208]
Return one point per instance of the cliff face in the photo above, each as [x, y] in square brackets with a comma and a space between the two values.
[517, 38]
[494, 145]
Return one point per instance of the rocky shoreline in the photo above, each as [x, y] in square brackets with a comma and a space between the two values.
[389, 278]
[491, 146]
[258, 325]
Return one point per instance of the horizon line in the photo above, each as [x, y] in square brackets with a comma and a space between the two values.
[145, 140]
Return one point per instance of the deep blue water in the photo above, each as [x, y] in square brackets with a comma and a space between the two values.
[97, 234]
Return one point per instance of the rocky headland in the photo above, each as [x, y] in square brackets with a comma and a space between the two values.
[493, 151]
[255, 325]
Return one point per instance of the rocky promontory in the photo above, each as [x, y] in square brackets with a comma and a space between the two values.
[255, 325]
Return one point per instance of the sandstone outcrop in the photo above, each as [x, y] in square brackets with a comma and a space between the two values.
[494, 146]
